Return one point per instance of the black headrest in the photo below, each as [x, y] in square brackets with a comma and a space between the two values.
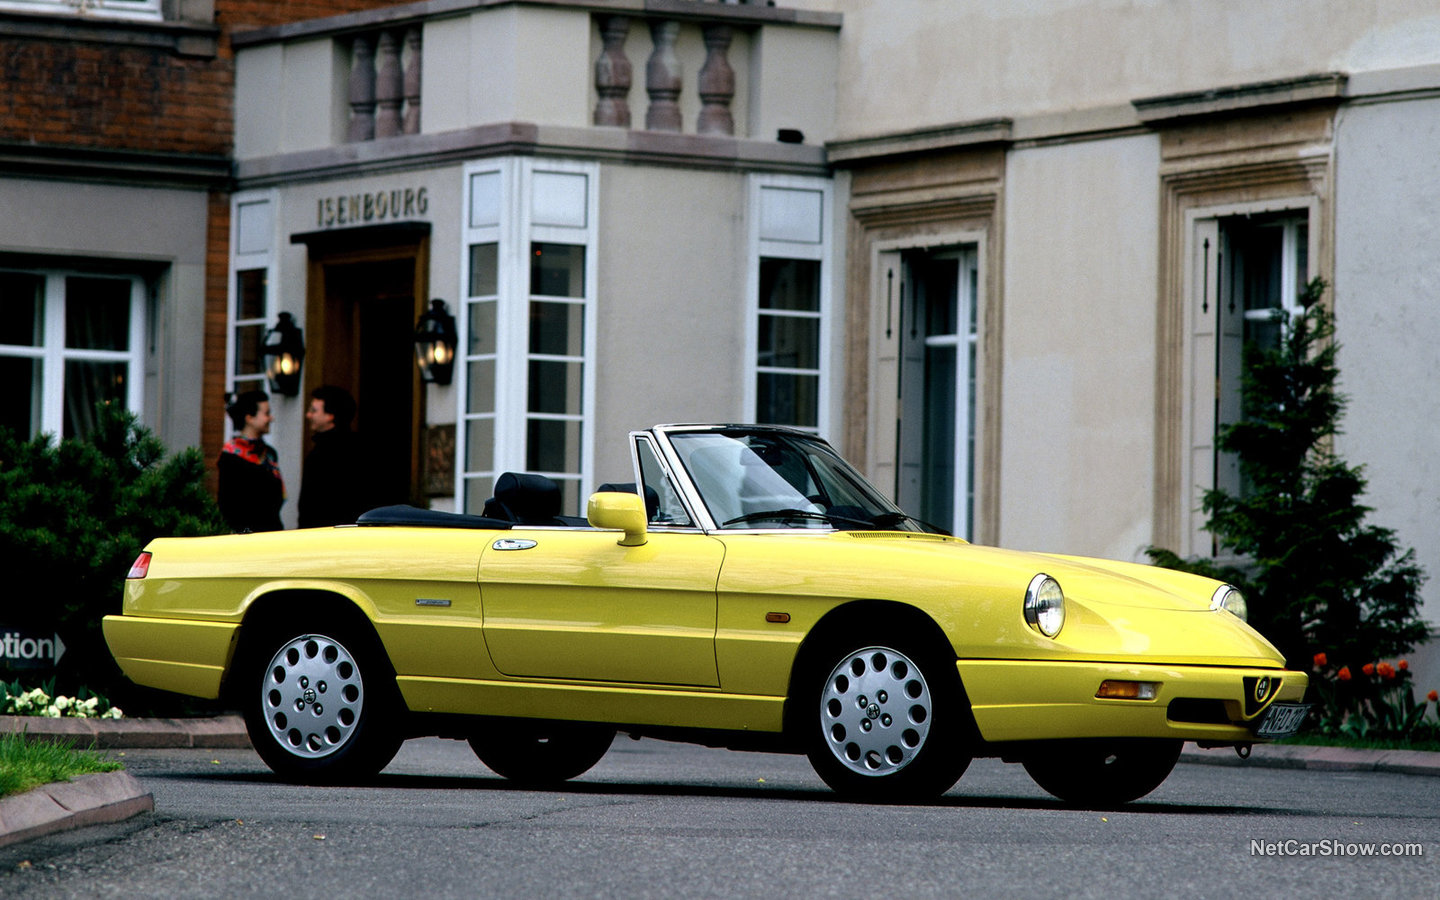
[525, 498]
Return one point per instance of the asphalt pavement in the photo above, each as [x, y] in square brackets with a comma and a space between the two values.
[115, 796]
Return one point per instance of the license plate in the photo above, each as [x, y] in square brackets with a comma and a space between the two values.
[1282, 720]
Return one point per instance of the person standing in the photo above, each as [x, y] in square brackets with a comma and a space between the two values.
[333, 489]
[252, 489]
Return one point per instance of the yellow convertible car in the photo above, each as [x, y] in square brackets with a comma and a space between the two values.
[749, 590]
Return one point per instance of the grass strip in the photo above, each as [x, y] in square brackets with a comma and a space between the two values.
[26, 764]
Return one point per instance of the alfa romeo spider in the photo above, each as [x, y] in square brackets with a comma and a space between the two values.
[749, 589]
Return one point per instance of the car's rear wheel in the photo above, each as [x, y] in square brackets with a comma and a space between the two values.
[1103, 772]
[539, 752]
[320, 706]
[889, 722]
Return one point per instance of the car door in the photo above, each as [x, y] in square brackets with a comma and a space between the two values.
[575, 605]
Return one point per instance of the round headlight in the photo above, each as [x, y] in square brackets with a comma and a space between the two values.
[1226, 597]
[1045, 605]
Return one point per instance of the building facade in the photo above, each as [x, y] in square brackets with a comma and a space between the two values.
[1004, 255]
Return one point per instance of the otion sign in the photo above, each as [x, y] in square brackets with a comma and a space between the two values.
[24, 649]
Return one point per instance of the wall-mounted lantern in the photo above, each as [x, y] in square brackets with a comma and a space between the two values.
[284, 353]
[435, 342]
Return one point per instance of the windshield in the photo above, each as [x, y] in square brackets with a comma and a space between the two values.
[769, 479]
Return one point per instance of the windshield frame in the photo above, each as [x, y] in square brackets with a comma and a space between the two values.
[717, 512]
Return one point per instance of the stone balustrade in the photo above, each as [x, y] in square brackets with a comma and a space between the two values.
[384, 85]
[664, 78]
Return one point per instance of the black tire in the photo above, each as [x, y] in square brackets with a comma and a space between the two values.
[1103, 772]
[540, 752]
[886, 721]
[321, 706]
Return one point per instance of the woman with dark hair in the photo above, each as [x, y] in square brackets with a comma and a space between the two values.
[251, 487]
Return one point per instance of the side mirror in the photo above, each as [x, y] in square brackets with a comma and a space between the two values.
[616, 510]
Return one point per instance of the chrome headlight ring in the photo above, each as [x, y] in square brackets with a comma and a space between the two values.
[1045, 605]
[1229, 598]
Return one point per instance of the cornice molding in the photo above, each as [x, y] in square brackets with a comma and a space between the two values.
[1328, 87]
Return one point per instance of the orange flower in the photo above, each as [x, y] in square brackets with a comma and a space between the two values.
[1386, 670]
[1368, 668]
[1320, 660]
[1403, 665]
[1343, 674]
[1433, 697]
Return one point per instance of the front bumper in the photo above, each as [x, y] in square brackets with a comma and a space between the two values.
[1019, 700]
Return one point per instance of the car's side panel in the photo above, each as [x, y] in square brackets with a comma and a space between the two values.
[622, 704]
[172, 654]
[1026, 700]
[577, 605]
[417, 586]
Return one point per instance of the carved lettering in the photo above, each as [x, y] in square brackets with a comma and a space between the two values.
[371, 206]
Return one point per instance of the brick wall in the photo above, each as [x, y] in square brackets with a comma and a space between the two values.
[87, 91]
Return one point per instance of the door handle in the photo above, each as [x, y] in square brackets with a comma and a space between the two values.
[513, 544]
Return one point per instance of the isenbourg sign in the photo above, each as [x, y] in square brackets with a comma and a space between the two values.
[21, 649]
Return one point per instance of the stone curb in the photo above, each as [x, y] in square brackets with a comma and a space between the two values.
[1320, 759]
[107, 797]
[87, 800]
[217, 733]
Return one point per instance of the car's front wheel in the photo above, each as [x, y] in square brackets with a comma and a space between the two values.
[539, 752]
[320, 706]
[1103, 772]
[889, 723]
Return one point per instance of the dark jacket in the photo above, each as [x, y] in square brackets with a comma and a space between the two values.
[251, 487]
[334, 490]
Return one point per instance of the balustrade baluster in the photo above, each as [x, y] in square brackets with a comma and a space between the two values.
[362, 89]
[662, 78]
[612, 73]
[716, 83]
[412, 81]
[389, 90]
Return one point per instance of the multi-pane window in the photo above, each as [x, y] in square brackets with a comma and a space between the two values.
[68, 341]
[111, 9]
[1249, 273]
[529, 323]
[789, 331]
[253, 237]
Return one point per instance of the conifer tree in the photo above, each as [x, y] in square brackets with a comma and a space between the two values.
[1318, 578]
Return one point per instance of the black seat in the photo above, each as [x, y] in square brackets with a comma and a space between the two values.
[525, 499]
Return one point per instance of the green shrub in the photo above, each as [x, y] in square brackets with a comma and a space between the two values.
[73, 517]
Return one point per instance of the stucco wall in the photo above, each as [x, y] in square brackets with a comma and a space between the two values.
[671, 330]
[908, 64]
[1387, 279]
[1079, 347]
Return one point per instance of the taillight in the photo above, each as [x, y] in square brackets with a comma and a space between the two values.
[141, 568]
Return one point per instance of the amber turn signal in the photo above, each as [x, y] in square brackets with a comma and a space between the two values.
[780, 618]
[1127, 690]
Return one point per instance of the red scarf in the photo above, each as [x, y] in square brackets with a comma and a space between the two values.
[258, 453]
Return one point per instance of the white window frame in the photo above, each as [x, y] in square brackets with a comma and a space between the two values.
[821, 250]
[514, 234]
[1200, 376]
[53, 354]
[247, 261]
[134, 10]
